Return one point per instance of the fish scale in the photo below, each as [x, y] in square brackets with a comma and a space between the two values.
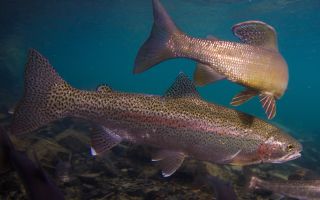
[254, 63]
[240, 63]
[179, 122]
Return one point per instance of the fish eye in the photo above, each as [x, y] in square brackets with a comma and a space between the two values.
[290, 147]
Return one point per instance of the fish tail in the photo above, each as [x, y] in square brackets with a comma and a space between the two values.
[46, 96]
[159, 45]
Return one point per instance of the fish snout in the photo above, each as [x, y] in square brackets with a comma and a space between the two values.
[288, 157]
[292, 156]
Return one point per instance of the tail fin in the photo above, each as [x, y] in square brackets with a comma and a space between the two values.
[157, 47]
[43, 89]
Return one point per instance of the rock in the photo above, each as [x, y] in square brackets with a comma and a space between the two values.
[74, 143]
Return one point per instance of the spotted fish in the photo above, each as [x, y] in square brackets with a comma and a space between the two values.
[180, 123]
[255, 63]
[298, 189]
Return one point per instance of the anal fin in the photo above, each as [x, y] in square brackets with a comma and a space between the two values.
[243, 97]
[269, 104]
[169, 161]
[205, 74]
[102, 140]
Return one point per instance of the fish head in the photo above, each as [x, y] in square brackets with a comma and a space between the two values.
[279, 148]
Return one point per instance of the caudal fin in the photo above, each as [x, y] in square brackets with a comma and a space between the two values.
[42, 102]
[158, 46]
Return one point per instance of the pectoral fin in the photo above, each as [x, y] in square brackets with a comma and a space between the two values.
[243, 97]
[169, 161]
[205, 74]
[102, 140]
[256, 33]
[269, 104]
[229, 159]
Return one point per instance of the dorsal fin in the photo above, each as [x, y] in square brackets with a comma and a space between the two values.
[182, 87]
[256, 33]
[104, 88]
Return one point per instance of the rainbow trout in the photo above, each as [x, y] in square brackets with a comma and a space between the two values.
[298, 189]
[255, 63]
[179, 122]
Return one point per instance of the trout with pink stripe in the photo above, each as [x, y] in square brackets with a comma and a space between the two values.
[180, 123]
[254, 63]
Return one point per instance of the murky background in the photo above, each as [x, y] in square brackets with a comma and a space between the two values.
[94, 42]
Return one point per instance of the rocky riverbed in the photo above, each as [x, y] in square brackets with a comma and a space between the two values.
[126, 172]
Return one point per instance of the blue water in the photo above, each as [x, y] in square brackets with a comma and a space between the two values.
[94, 42]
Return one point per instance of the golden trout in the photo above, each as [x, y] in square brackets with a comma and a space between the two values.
[179, 122]
[255, 63]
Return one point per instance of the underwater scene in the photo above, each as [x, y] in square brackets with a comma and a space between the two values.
[159, 99]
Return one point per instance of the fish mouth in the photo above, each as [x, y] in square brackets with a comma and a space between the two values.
[294, 156]
[288, 157]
